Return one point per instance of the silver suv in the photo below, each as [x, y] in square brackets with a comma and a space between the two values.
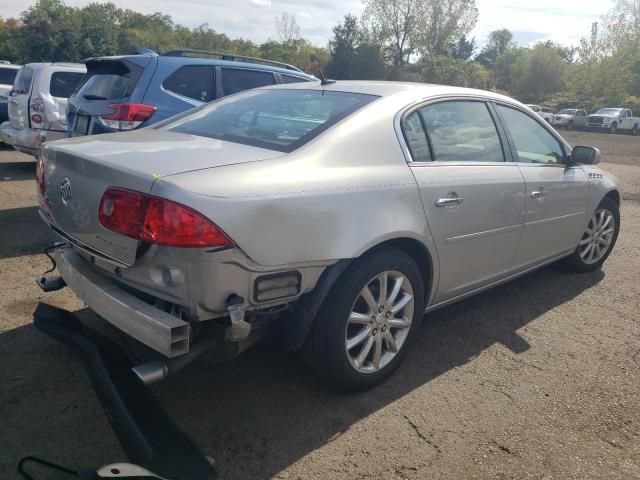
[38, 104]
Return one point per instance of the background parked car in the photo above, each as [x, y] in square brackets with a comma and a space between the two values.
[570, 118]
[7, 76]
[545, 113]
[38, 104]
[614, 119]
[127, 92]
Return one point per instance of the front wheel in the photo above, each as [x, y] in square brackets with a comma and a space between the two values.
[570, 126]
[367, 322]
[613, 128]
[634, 130]
[598, 239]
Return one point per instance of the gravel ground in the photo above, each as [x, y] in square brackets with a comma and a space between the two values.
[538, 378]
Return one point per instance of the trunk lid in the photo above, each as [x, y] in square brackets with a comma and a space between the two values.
[79, 170]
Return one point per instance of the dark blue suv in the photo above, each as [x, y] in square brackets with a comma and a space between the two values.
[128, 92]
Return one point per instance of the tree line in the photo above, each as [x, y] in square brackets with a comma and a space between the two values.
[407, 40]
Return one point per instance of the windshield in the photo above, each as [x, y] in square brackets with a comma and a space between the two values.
[567, 111]
[281, 120]
[609, 111]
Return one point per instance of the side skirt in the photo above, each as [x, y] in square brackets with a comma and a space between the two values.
[513, 276]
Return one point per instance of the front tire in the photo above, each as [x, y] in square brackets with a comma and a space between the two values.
[367, 322]
[634, 130]
[613, 129]
[598, 240]
[570, 126]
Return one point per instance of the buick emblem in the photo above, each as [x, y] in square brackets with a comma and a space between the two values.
[65, 191]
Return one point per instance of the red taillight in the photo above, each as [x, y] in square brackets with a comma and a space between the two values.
[40, 175]
[157, 220]
[127, 116]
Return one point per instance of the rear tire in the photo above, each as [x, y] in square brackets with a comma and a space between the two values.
[349, 344]
[598, 240]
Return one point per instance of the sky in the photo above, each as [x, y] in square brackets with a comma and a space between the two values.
[563, 21]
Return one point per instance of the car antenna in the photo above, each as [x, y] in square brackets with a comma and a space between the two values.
[324, 81]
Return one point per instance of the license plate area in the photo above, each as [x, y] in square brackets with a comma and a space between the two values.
[82, 124]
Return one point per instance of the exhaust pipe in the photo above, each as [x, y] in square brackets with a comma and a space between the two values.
[157, 370]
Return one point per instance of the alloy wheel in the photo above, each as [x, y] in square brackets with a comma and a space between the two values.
[379, 321]
[597, 238]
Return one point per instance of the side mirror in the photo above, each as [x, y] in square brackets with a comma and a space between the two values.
[586, 155]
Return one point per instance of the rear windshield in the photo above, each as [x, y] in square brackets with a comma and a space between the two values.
[7, 75]
[63, 84]
[22, 83]
[281, 120]
[106, 81]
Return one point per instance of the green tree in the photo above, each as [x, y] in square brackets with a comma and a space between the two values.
[443, 22]
[462, 48]
[397, 25]
[498, 42]
[354, 55]
[49, 31]
[538, 72]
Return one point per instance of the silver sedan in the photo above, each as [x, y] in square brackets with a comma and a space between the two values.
[340, 213]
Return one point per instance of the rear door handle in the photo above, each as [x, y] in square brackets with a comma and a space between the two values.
[451, 199]
[539, 193]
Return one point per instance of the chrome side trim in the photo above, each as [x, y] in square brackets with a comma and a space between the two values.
[554, 219]
[506, 279]
[486, 233]
[80, 244]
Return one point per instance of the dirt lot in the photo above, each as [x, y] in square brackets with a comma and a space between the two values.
[535, 379]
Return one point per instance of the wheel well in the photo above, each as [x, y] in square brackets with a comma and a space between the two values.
[418, 252]
[614, 195]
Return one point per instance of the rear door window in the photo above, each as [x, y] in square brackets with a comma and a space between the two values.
[462, 131]
[416, 138]
[23, 80]
[63, 84]
[192, 81]
[236, 80]
[107, 81]
[8, 75]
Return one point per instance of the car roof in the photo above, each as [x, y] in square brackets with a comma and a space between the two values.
[234, 64]
[387, 88]
[188, 60]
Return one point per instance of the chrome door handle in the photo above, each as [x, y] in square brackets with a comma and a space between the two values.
[452, 199]
[539, 193]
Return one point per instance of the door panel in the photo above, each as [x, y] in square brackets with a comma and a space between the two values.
[556, 195]
[555, 212]
[473, 199]
[476, 239]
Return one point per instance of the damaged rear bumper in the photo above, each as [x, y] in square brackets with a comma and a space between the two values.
[159, 330]
[27, 140]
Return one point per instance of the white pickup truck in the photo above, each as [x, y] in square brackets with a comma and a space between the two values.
[545, 113]
[614, 120]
